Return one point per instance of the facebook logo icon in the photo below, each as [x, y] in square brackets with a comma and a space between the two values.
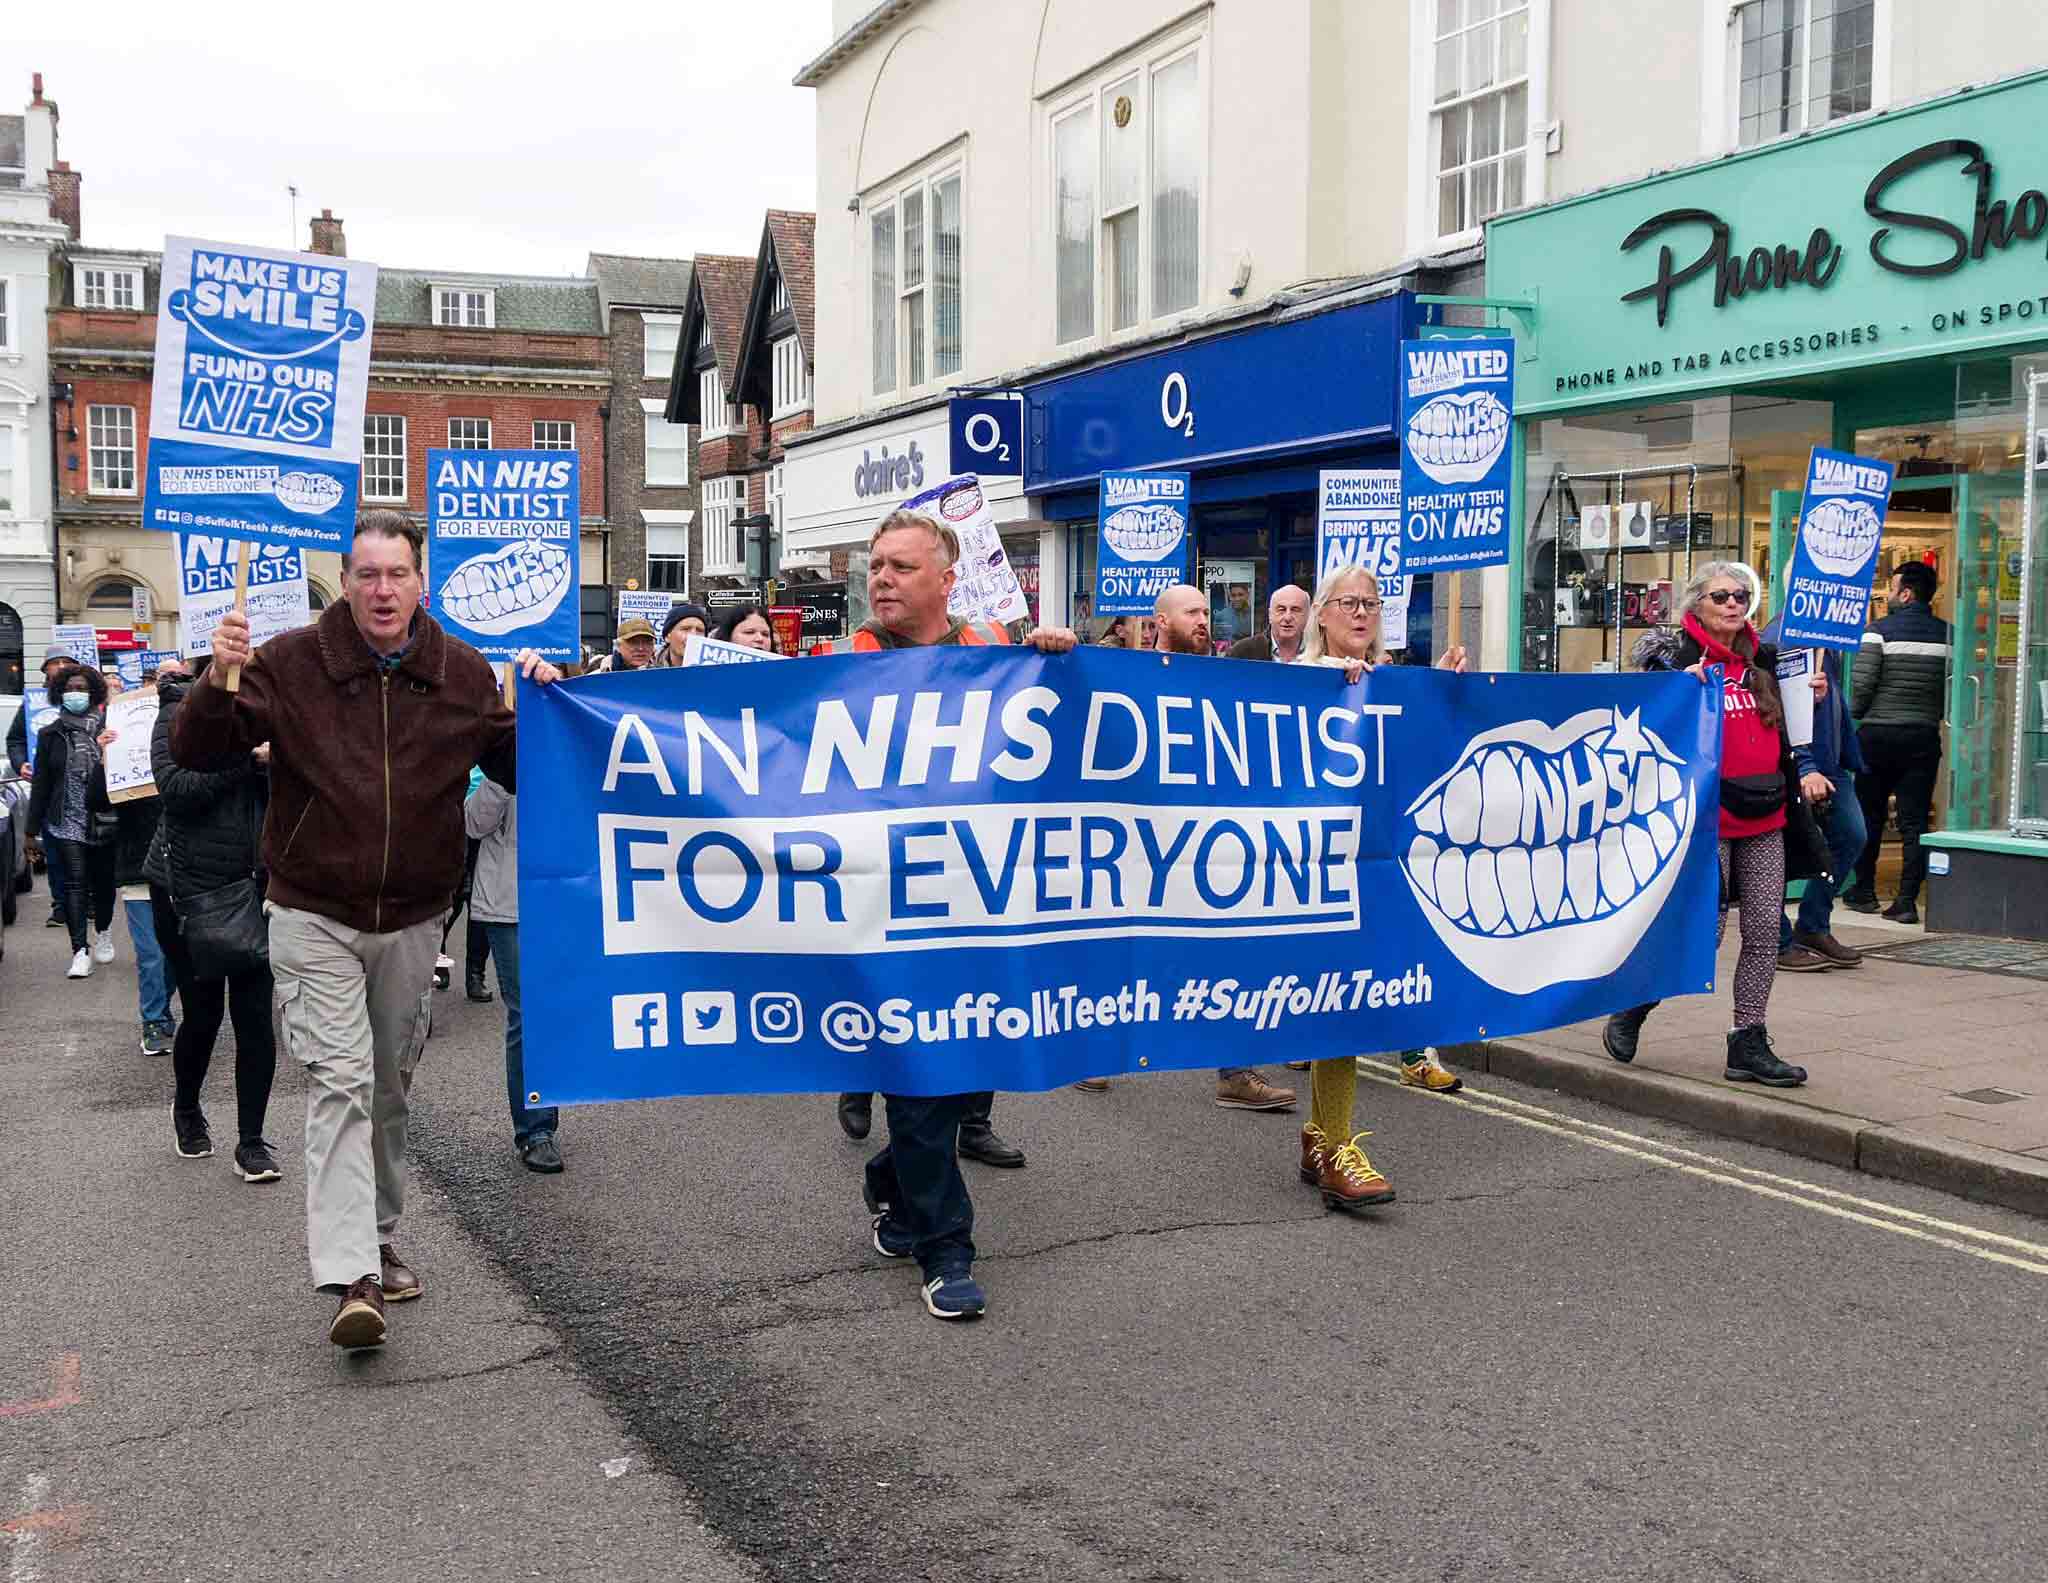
[639, 1022]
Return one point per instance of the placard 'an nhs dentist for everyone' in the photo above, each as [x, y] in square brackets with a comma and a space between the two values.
[502, 529]
[256, 412]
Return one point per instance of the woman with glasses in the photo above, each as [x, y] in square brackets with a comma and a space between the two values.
[1344, 632]
[1760, 806]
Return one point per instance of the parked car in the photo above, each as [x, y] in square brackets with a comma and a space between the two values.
[14, 870]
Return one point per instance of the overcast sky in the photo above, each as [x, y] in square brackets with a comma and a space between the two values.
[511, 137]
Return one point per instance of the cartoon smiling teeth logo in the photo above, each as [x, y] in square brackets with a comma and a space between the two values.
[1144, 533]
[517, 586]
[1457, 439]
[309, 494]
[1842, 535]
[1545, 853]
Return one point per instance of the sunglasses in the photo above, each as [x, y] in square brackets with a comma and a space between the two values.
[1729, 596]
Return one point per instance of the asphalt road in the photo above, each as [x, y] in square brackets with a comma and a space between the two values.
[1567, 1352]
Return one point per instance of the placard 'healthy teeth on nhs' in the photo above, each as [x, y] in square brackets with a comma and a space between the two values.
[1545, 853]
[1841, 535]
[1457, 439]
[518, 586]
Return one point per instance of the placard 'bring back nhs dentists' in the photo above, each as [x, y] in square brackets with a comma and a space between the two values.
[256, 412]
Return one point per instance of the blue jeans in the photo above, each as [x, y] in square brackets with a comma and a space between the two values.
[526, 1124]
[918, 1176]
[1842, 828]
[152, 985]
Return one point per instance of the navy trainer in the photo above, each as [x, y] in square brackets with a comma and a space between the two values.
[954, 1294]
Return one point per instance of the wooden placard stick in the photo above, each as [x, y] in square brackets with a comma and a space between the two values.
[511, 684]
[1457, 622]
[234, 681]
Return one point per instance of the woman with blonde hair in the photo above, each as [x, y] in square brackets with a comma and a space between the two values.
[1344, 632]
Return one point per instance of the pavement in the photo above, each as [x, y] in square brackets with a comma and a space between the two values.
[1925, 1074]
[1581, 1345]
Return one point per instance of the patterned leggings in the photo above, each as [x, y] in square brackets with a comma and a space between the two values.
[1332, 1088]
[1753, 877]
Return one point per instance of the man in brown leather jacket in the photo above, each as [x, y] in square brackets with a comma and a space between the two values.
[374, 716]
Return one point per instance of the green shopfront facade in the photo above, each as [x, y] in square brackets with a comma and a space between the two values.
[1880, 286]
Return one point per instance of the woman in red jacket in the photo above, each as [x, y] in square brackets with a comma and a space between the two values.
[1760, 806]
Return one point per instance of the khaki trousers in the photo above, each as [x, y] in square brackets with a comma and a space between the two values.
[353, 1009]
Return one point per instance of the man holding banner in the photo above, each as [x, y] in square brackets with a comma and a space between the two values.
[375, 716]
[914, 1187]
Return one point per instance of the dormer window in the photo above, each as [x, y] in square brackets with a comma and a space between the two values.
[103, 286]
[465, 307]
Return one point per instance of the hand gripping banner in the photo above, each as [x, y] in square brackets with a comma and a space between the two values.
[940, 870]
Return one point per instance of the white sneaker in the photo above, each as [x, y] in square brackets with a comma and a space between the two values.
[103, 948]
[81, 965]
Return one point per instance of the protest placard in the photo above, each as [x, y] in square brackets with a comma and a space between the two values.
[80, 640]
[1457, 421]
[651, 607]
[1841, 521]
[700, 650]
[256, 410]
[276, 598]
[1358, 523]
[950, 869]
[502, 529]
[1143, 546]
[132, 720]
[984, 586]
[40, 712]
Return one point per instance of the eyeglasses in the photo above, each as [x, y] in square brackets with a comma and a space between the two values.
[1355, 604]
[1729, 596]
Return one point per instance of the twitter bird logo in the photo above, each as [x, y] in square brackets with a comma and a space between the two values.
[710, 1017]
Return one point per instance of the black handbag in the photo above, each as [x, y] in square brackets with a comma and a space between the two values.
[1753, 796]
[224, 929]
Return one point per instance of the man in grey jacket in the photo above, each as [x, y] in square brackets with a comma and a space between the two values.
[1901, 690]
[491, 817]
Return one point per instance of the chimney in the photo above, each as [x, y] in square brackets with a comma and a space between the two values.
[39, 131]
[327, 237]
[64, 184]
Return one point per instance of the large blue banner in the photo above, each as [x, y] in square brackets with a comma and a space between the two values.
[256, 406]
[1841, 521]
[942, 870]
[502, 532]
[1457, 418]
[1143, 548]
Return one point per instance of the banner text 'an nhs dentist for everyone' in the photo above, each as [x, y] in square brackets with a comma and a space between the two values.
[951, 869]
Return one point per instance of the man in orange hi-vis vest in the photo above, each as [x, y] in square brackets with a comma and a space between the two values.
[914, 1187]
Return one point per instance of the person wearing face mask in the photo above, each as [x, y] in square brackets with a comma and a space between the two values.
[70, 794]
[749, 629]
[1344, 633]
[1766, 828]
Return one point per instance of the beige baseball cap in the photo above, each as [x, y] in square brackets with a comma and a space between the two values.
[635, 627]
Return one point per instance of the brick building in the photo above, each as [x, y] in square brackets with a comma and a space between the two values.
[457, 360]
[743, 375]
[651, 486]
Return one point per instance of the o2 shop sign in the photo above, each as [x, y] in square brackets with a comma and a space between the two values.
[1945, 244]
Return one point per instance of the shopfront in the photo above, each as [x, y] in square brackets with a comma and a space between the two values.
[1252, 414]
[1879, 287]
[839, 482]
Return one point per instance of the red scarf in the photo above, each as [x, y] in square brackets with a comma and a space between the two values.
[1748, 746]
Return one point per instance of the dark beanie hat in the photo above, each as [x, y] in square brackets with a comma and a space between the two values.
[683, 612]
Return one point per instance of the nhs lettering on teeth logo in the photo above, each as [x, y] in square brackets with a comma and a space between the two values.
[1545, 853]
[517, 586]
[1145, 533]
[1842, 535]
[1457, 439]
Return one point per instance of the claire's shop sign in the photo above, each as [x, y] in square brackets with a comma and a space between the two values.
[1907, 235]
[879, 473]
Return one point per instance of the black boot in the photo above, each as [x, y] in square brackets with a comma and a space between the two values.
[473, 984]
[980, 1141]
[1752, 1060]
[1624, 1030]
[856, 1115]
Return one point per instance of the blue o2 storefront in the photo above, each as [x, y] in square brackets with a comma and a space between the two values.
[1252, 413]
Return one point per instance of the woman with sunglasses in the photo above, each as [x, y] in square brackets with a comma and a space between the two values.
[1761, 806]
[1344, 632]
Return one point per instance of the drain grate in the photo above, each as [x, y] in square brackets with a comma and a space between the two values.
[1972, 953]
[1990, 1096]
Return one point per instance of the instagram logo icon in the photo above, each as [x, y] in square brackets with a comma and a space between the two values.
[776, 1017]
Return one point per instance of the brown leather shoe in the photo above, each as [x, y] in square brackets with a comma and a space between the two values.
[400, 1284]
[359, 1322]
[1315, 1149]
[1348, 1180]
[1249, 1091]
[1828, 946]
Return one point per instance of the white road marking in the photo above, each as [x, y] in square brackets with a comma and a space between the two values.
[25, 1565]
[1765, 1184]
